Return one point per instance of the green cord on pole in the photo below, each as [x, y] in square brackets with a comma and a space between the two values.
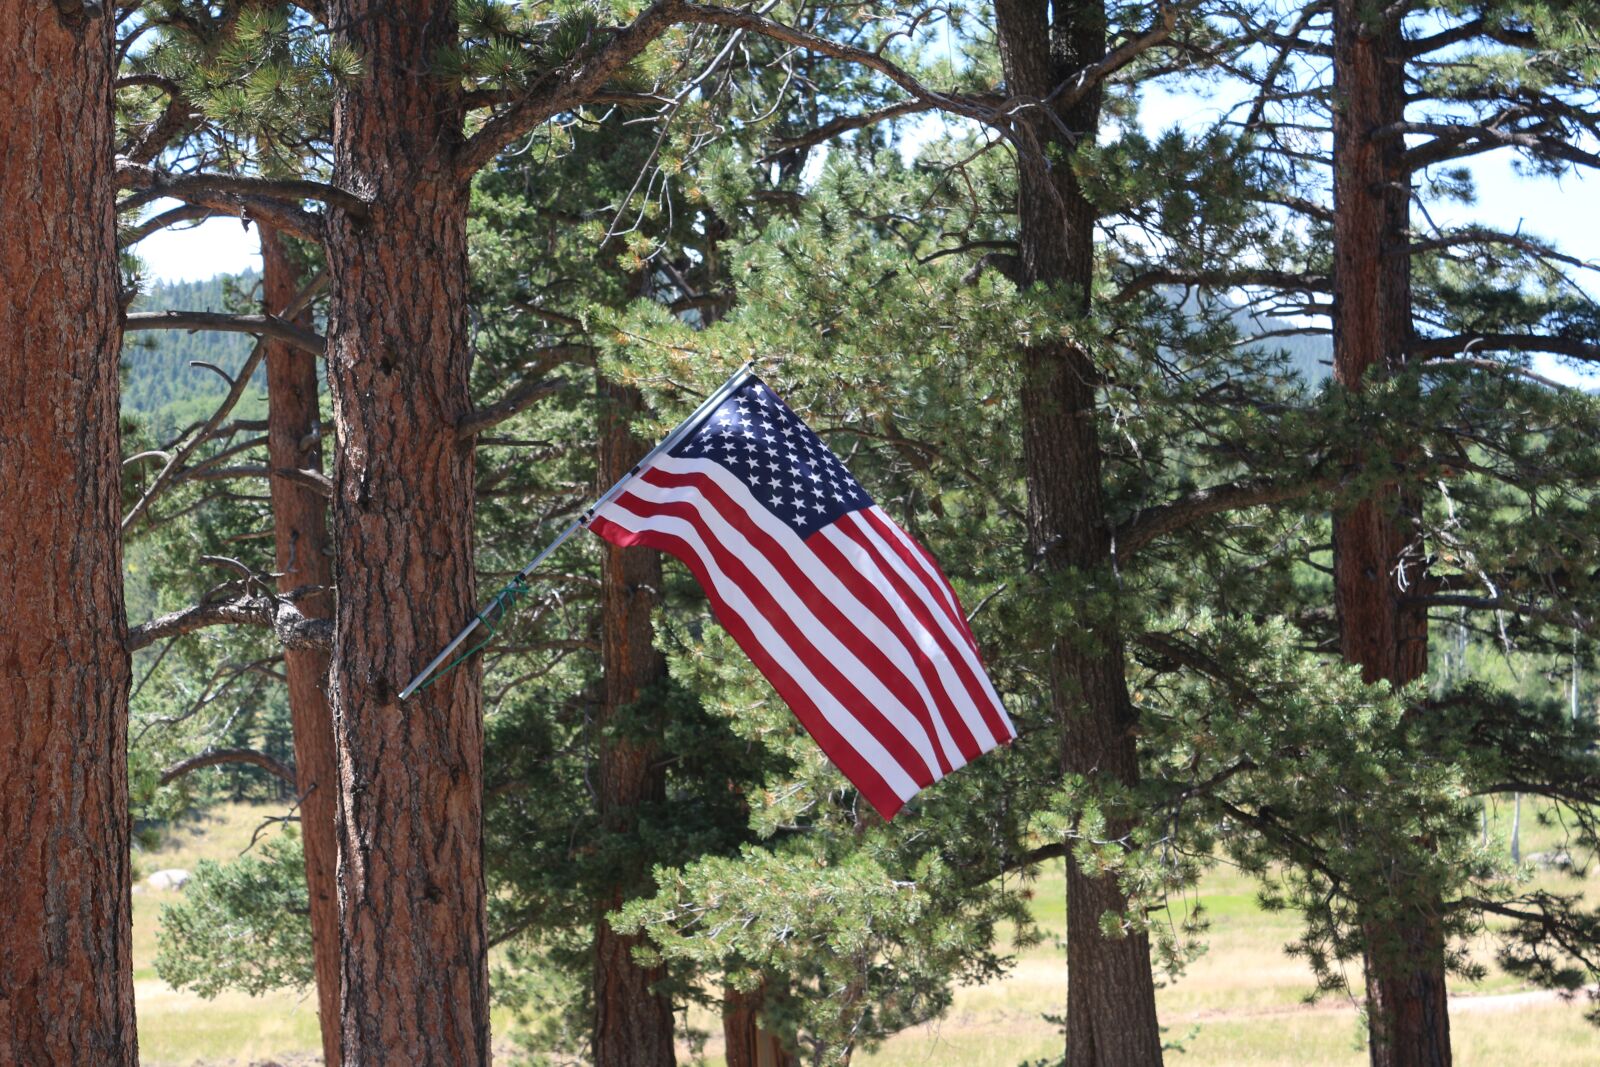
[497, 610]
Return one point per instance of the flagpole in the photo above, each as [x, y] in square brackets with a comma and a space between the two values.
[667, 443]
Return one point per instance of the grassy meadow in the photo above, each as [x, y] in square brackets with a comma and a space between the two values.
[1242, 1004]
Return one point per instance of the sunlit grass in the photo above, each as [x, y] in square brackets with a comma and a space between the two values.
[1241, 1003]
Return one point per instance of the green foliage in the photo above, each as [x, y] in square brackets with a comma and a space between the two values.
[241, 925]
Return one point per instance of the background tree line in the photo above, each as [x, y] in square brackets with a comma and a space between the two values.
[506, 246]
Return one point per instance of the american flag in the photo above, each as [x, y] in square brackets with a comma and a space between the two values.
[845, 614]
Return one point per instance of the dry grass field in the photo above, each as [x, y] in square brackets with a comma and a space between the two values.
[1239, 1005]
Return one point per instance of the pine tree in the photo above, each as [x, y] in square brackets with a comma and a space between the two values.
[65, 931]
[302, 552]
[1428, 328]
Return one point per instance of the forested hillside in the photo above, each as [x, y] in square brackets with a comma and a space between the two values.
[160, 382]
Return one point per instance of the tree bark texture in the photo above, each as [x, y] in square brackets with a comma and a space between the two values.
[633, 1024]
[1111, 1012]
[414, 980]
[749, 1044]
[1378, 555]
[66, 979]
[303, 559]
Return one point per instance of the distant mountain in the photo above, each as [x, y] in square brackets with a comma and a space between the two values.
[158, 382]
[1311, 355]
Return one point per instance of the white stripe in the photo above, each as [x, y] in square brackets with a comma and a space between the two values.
[959, 632]
[859, 615]
[848, 727]
[935, 649]
[822, 637]
[955, 610]
[921, 561]
[955, 639]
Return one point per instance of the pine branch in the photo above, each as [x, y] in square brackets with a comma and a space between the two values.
[1079, 86]
[180, 454]
[154, 184]
[308, 478]
[176, 216]
[218, 756]
[174, 116]
[1451, 362]
[1460, 140]
[532, 388]
[1157, 521]
[581, 87]
[293, 629]
[750, 22]
[1480, 236]
[1227, 279]
[844, 124]
[1499, 603]
[1467, 31]
[260, 325]
[269, 201]
[1461, 344]
[518, 398]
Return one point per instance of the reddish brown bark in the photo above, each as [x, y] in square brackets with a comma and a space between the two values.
[633, 1024]
[1111, 1012]
[302, 560]
[1378, 554]
[749, 1044]
[66, 980]
[414, 981]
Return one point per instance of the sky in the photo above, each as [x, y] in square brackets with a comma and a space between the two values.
[1566, 211]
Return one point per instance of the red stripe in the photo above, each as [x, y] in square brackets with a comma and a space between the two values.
[843, 690]
[872, 598]
[980, 699]
[955, 598]
[933, 565]
[895, 543]
[838, 623]
[841, 752]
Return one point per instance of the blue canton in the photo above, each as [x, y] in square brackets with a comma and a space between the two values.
[779, 459]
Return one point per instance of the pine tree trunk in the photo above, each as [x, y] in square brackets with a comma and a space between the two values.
[1111, 1012]
[300, 529]
[66, 979]
[748, 1043]
[1378, 555]
[633, 1025]
[414, 979]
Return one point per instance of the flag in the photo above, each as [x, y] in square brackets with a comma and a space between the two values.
[845, 614]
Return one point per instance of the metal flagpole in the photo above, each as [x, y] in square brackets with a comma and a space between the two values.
[670, 441]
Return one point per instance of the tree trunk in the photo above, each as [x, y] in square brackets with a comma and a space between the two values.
[414, 980]
[1111, 1012]
[749, 1044]
[633, 1025]
[1378, 555]
[66, 979]
[300, 527]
